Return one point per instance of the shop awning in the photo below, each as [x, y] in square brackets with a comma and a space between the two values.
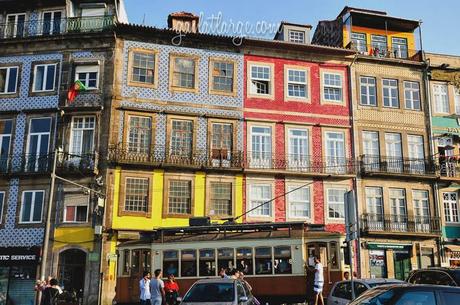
[384, 246]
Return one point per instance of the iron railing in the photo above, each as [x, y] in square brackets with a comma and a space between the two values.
[385, 52]
[72, 163]
[400, 223]
[393, 165]
[26, 164]
[448, 166]
[41, 27]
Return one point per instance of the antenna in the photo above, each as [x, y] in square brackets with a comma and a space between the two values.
[143, 20]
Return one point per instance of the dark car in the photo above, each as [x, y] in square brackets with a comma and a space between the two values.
[409, 294]
[435, 276]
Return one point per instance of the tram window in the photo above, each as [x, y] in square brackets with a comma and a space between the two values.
[146, 260]
[171, 262]
[264, 260]
[188, 263]
[334, 259]
[126, 262]
[207, 262]
[225, 258]
[283, 262]
[244, 260]
[135, 259]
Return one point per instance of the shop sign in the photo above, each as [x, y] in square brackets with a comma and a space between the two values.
[15, 256]
[387, 246]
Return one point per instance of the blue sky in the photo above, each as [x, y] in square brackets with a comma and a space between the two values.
[440, 29]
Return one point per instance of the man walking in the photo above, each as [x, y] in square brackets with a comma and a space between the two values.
[319, 281]
[157, 289]
[144, 288]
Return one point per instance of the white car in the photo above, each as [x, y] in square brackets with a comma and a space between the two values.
[340, 293]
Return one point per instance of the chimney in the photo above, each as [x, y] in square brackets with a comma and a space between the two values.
[183, 22]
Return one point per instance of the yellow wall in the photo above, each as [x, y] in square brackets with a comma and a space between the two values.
[141, 223]
[368, 31]
[82, 236]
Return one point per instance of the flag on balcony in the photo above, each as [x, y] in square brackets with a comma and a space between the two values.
[74, 90]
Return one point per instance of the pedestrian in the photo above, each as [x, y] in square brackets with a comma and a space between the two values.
[223, 274]
[157, 289]
[319, 281]
[244, 281]
[144, 288]
[171, 290]
[346, 275]
[50, 294]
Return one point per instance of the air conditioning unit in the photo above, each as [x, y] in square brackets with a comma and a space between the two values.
[98, 230]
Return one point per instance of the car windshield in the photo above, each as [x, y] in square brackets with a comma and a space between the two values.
[372, 285]
[456, 275]
[375, 297]
[210, 292]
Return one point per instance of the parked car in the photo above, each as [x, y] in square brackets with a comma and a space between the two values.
[340, 293]
[408, 294]
[435, 276]
[222, 291]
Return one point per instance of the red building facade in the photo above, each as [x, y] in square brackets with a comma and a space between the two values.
[298, 141]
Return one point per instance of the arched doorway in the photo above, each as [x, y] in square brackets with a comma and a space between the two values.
[71, 270]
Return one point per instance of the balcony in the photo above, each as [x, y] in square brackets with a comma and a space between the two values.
[385, 52]
[26, 164]
[400, 224]
[393, 166]
[41, 28]
[77, 164]
[448, 168]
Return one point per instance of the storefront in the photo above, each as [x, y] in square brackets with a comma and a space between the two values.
[452, 253]
[18, 272]
[389, 260]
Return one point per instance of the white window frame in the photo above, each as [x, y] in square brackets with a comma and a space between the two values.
[296, 36]
[15, 31]
[53, 12]
[89, 12]
[457, 101]
[298, 160]
[411, 90]
[390, 97]
[87, 69]
[72, 133]
[438, 96]
[261, 158]
[75, 205]
[324, 86]
[32, 206]
[334, 162]
[331, 188]
[2, 208]
[7, 79]
[451, 206]
[255, 213]
[2, 138]
[298, 83]
[367, 87]
[39, 134]
[252, 89]
[307, 202]
[45, 75]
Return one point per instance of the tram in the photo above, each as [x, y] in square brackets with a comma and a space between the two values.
[273, 257]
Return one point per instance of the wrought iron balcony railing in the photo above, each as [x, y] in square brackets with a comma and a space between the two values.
[400, 51]
[26, 164]
[393, 165]
[400, 224]
[448, 166]
[41, 27]
[72, 163]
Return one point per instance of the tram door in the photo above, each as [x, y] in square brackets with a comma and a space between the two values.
[318, 249]
[140, 262]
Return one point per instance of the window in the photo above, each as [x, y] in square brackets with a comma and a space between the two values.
[76, 208]
[37, 158]
[332, 87]
[8, 80]
[44, 77]
[421, 210]
[188, 263]
[264, 263]
[261, 80]
[298, 149]
[390, 93]
[258, 195]
[398, 209]
[221, 199]
[450, 206]
[399, 47]
[379, 45]
[457, 101]
[32, 206]
[371, 150]
[136, 194]
[51, 22]
[244, 260]
[296, 36]
[2, 205]
[282, 263]
[374, 208]
[15, 25]
[221, 143]
[441, 100]
[6, 127]
[417, 297]
[297, 84]
[82, 138]
[368, 91]
[298, 201]
[142, 68]
[261, 146]
[139, 134]
[181, 138]
[334, 255]
[335, 152]
[342, 290]
[359, 42]
[184, 72]
[394, 152]
[171, 262]
[93, 11]
[412, 95]
[336, 202]
[450, 297]
[180, 197]
[416, 154]
[88, 75]
[225, 258]
[207, 262]
[222, 76]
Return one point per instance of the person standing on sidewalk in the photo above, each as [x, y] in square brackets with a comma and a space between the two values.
[157, 289]
[319, 281]
[144, 288]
